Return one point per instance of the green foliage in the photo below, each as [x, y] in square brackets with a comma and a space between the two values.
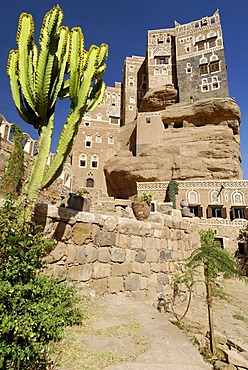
[11, 181]
[143, 198]
[214, 259]
[171, 192]
[34, 308]
[58, 67]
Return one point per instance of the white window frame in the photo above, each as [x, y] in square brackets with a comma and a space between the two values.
[98, 139]
[111, 140]
[82, 157]
[94, 159]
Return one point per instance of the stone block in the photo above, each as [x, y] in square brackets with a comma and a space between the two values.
[103, 255]
[101, 270]
[162, 278]
[71, 254]
[136, 267]
[146, 270]
[95, 230]
[120, 269]
[143, 283]
[155, 267]
[132, 282]
[152, 256]
[107, 238]
[81, 254]
[80, 273]
[140, 256]
[152, 280]
[127, 226]
[100, 286]
[63, 231]
[57, 253]
[115, 284]
[124, 241]
[90, 253]
[136, 242]
[130, 255]
[81, 232]
[110, 223]
[118, 255]
[158, 233]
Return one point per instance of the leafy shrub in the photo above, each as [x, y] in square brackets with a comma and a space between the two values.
[143, 198]
[34, 308]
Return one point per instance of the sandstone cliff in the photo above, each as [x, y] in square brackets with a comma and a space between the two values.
[206, 147]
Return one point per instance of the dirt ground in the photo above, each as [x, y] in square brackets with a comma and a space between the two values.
[230, 307]
[116, 332]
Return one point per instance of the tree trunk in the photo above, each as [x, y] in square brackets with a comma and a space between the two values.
[210, 317]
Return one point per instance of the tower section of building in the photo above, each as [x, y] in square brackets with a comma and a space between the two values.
[200, 59]
[161, 62]
[96, 141]
[134, 86]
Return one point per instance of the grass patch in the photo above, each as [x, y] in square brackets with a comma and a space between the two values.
[240, 317]
[72, 354]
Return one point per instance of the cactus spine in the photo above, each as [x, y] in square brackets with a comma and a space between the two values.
[59, 68]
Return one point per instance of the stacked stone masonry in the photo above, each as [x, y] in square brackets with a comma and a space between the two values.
[109, 254]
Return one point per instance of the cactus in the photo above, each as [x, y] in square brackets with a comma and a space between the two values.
[59, 68]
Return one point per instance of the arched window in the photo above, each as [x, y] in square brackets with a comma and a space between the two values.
[94, 161]
[132, 100]
[215, 83]
[238, 197]
[204, 85]
[99, 116]
[188, 68]
[98, 139]
[88, 141]
[165, 71]
[111, 140]
[215, 196]
[90, 183]
[131, 81]
[193, 197]
[156, 72]
[83, 161]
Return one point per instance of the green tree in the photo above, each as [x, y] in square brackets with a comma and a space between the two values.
[12, 177]
[171, 192]
[214, 260]
[59, 68]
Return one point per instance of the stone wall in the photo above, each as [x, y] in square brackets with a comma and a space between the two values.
[110, 254]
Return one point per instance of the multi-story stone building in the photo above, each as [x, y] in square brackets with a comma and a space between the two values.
[96, 142]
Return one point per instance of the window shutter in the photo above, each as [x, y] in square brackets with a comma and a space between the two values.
[223, 212]
[232, 213]
[246, 213]
[209, 212]
[200, 212]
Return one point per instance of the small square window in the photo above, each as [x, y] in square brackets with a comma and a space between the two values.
[88, 144]
[87, 124]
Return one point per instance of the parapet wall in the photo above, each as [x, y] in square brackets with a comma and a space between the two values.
[113, 254]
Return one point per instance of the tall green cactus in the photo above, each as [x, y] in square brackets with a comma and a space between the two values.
[60, 68]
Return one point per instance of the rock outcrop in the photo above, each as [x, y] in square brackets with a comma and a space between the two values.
[206, 147]
[159, 98]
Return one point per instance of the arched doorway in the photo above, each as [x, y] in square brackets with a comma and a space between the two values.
[90, 183]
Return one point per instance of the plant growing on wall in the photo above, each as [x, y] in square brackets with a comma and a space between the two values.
[60, 67]
[11, 180]
[171, 192]
[214, 260]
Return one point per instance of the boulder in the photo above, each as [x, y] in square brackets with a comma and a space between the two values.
[207, 147]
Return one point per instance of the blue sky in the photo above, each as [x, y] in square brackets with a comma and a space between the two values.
[123, 25]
